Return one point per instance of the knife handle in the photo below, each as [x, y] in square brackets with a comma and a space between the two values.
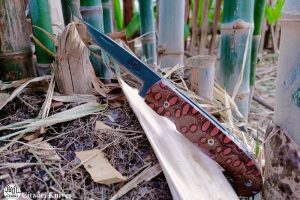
[209, 135]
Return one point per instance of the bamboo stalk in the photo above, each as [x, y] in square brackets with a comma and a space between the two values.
[204, 27]
[187, 11]
[201, 72]
[275, 45]
[263, 35]
[128, 10]
[15, 50]
[40, 17]
[194, 26]
[171, 35]
[215, 26]
[107, 16]
[157, 15]
[67, 7]
[282, 165]
[92, 12]
[118, 15]
[186, 21]
[128, 14]
[283, 139]
[148, 29]
[57, 18]
[66, 11]
[236, 33]
[287, 99]
[259, 11]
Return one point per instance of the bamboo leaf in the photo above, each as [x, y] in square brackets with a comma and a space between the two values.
[31, 125]
[42, 46]
[200, 11]
[257, 145]
[48, 34]
[133, 26]
[186, 31]
[273, 13]
[118, 15]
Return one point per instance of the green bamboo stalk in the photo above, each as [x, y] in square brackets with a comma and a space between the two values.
[148, 31]
[69, 6]
[259, 11]
[236, 37]
[107, 16]
[200, 10]
[118, 15]
[40, 16]
[65, 5]
[171, 32]
[92, 12]
[15, 51]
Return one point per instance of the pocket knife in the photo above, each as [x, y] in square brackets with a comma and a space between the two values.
[190, 119]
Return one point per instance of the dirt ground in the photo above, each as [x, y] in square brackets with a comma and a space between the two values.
[126, 148]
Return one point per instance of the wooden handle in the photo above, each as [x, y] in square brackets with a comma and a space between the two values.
[205, 132]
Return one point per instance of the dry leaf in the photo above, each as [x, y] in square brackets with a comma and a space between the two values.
[44, 112]
[3, 97]
[21, 88]
[115, 104]
[35, 140]
[99, 167]
[101, 126]
[76, 98]
[31, 125]
[4, 176]
[13, 84]
[95, 81]
[16, 165]
[30, 137]
[56, 104]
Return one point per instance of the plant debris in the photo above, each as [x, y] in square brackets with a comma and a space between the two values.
[99, 167]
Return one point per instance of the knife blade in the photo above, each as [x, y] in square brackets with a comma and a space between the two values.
[190, 119]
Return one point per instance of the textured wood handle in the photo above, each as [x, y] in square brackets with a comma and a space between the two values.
[205, 132]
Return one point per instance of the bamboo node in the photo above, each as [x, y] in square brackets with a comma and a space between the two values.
[91, 9]
[237, 24]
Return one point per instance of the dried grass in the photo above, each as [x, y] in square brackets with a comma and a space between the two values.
[126, 148]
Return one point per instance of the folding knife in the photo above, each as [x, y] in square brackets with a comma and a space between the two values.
[190, 119]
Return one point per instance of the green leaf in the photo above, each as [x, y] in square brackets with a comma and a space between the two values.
[118, 15]
[273, 13]
[257, 146]
[200, 12]
[133, 26]
[186, 31]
